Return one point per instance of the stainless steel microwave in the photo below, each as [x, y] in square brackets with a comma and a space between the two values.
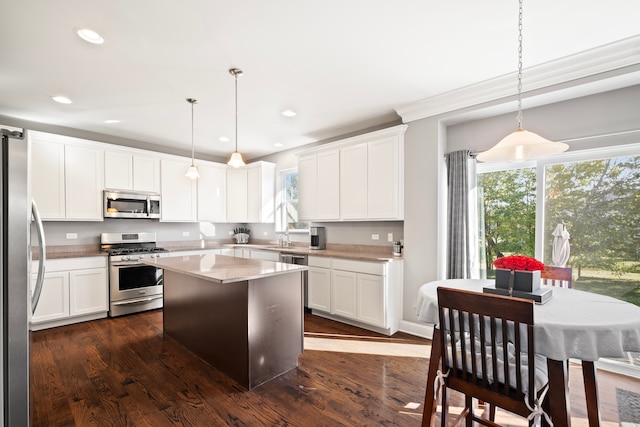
[131, 204]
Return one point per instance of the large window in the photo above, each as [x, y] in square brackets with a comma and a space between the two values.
[596, 195]
[287, 212]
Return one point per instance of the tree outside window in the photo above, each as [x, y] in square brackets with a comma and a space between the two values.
[507, 207]
[599, 202]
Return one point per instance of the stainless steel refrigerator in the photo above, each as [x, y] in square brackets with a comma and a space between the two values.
[17, 302]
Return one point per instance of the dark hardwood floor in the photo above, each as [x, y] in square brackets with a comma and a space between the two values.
[123, 372]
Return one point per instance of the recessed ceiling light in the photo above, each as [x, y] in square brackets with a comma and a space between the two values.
[89, 36]
[61, 99]
[223, 139]
[112, 121]
[277, 144]
[289, 113]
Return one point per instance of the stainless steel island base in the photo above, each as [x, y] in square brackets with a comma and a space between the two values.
[251, 330]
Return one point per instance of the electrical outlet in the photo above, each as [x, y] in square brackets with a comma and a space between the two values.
[230, 232]
[375, 237]
[72, 235]
[265, 233]
[389, 237]
[185, 234]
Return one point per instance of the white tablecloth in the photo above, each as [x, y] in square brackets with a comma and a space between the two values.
[573, 324]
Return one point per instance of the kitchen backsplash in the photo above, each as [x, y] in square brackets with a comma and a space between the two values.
[87, 233]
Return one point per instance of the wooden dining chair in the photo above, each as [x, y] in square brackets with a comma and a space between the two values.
[487, 350]
[557, 276]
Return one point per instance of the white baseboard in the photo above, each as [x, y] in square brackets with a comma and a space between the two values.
[423, 330]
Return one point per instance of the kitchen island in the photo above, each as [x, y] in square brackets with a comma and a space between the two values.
[242, 316]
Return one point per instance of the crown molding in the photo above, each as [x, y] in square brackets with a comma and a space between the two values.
[393, 131]
[590, 63]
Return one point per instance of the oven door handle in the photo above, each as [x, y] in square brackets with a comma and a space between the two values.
[126, 264]
[137, 300]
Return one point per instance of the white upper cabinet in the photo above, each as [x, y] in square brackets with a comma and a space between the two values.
[328, 196]
[359, 178]
[146, 173]
[251, 193]
[319, 186]
[67, 177]
[118, 170]
[128, 171]
[237, 195]
[212, 192]
[179, 202]
[47, 177]
[353, 182]
[385, 178]
[261, 192]
[307, 187]
[84, 180]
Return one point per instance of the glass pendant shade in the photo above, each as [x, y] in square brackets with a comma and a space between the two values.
[520, 146]
[192, 172]
[236, 160]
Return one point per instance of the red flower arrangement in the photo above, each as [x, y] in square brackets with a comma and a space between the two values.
[518, 262]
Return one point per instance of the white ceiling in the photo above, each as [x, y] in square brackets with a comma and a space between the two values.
[343, 65]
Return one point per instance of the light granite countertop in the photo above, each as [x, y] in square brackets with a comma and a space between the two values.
[222, 268]
[344, 251]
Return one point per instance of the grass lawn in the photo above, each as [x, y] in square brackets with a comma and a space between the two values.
[625, 287]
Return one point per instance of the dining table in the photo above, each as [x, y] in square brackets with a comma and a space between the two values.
[571, 325]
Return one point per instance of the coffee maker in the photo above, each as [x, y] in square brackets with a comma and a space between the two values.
[318, 240]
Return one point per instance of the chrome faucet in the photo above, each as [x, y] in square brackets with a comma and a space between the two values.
[283, 239]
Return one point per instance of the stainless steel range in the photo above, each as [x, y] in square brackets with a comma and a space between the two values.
[133, 286]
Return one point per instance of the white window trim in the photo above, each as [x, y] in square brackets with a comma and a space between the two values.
[539, 165]
[280, 197]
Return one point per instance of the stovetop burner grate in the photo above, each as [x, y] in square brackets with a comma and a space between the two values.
[134, 250]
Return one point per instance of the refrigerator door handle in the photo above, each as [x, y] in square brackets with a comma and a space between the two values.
[41, 257]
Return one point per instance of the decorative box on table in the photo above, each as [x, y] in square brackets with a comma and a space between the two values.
[519, 283]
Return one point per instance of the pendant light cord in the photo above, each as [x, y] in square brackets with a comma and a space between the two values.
[192, 143]
[519, 117]
[235, 75]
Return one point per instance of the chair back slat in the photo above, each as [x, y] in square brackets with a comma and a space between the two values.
[488, 344]
[557, 276]
[505, 353]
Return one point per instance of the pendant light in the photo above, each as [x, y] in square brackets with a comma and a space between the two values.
[236, 158]
[192, 172]
[521, 145]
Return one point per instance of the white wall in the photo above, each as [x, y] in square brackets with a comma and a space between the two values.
[604, 113]
[423, 153]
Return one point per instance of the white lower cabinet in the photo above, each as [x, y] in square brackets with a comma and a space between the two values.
[319, 283]
[54, 298]
[74, 290]
[265, 255]
[371, 299]
[344, 293]
[242, 253]
[87, 291]
[367, 294]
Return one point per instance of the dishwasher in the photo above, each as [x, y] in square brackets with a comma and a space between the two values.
[298, 259]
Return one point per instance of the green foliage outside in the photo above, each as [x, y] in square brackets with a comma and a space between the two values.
[599, 202]
[508, 204]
